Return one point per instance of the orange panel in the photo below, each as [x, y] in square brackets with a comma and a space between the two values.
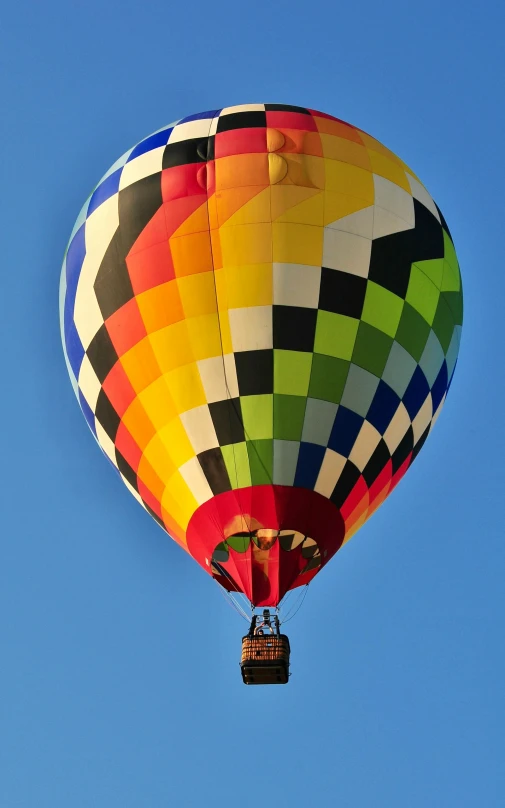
[242, 169]
[191, 254]
[161, 306]
[140, 365]
[338, 128]
[138, 423]
[150, 479]
[230, 201]
[299, 142]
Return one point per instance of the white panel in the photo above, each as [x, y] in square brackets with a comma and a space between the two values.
[297, 285]
[346, 252]
[396, 430]
[422, 419]
[199, 428]
[386, 223]
[394, 199]
[251, 329]
[105, 442]
[329, 473]
[100, 228]
[365, 445]
[420, 193]
[195, 479]
[359, 223]
[132, 491]
[219, 377]
[231, 375]
[143, 166]
[89, 383]
[243, 108]
[190, 130]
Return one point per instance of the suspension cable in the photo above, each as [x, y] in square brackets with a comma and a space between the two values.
[292, 613]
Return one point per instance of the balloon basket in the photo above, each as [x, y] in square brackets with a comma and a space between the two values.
[265, 653]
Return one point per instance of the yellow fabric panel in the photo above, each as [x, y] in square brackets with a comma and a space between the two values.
[339, 148]
[191, 254]
[226, 339]
[277, 168]
[376, 146]
[290, 203]
[389, 169]
[221, 288]
[160, 306]
[176, 441]
[247, 205]
[248, 285]
[186, 387]
[408, 170]
[198, 294]
[157, 455]
[178, 500]
[140, 365]
[172, 347]
[246, 244]
[336, 206]
[204, 336]
[297, 244]
[350, 180]
[158, 403]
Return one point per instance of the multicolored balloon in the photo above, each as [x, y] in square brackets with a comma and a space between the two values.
[261, 310]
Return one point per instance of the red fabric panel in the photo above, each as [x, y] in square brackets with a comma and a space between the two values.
[291, 120]
[265, 575]
[118, 389]
[240, 141]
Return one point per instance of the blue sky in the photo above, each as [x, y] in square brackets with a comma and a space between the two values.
[119, 676]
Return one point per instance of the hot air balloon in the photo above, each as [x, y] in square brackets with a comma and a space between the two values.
[261, 310]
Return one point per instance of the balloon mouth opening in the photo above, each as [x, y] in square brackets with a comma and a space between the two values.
[262, 540]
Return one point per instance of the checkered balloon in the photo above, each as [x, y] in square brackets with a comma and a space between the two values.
[261, 310]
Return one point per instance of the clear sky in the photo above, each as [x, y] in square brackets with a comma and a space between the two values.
[120, 685]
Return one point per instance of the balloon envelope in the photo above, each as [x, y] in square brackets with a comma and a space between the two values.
[261, 309]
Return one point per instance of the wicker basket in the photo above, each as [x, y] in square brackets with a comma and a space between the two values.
[265, 659]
